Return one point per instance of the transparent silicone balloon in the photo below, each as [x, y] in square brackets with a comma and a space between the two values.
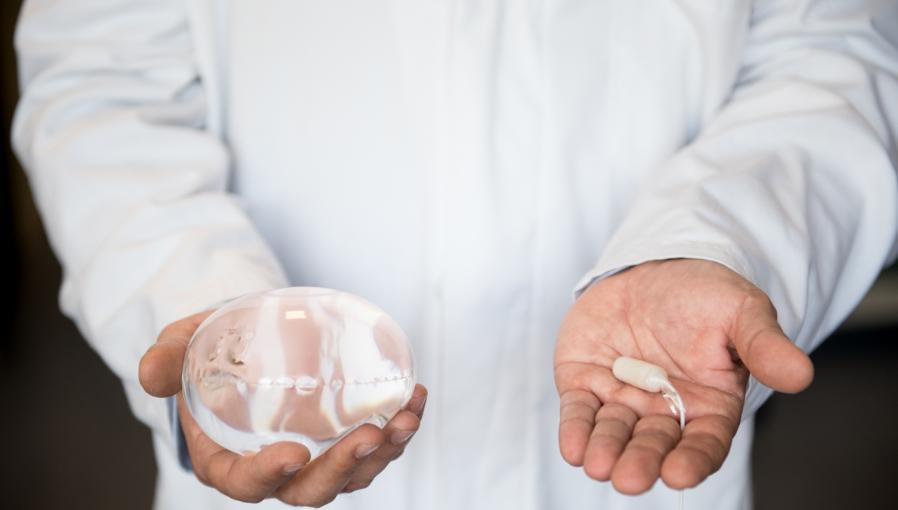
[299, 364]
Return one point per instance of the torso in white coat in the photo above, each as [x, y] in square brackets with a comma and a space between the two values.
[461, 163]
[464, 164]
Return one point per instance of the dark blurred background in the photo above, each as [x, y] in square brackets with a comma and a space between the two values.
[74, 443]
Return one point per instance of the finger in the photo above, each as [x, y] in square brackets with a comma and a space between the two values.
[614, 425]
[160, 367]
[766, 351]
[399, 432]
[322, 479]
[249, 478]
[254, 477]
[578, 414]
[418, 401]
[600, 381]
[639, 467]
[701, 451]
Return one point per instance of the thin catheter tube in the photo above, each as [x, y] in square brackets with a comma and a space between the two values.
[653, 379]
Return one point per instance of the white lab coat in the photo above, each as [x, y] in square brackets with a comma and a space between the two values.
[464, 164]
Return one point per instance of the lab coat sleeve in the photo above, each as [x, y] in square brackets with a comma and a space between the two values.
[129, 182]
[792, 183]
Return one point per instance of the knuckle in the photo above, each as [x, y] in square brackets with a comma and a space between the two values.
[356, 486]
[291, 500]
[245, 497]
[657, 426]
[385, 454]
[287, 497]
[320, 502]
[202, 476]
[617, 412]
[168, 330]
[651, 447]
[579, 397]
[756, 299]
[612, 428]
[305, 500]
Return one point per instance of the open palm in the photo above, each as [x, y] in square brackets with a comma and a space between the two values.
[708, 328]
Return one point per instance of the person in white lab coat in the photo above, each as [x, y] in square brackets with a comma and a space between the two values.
[715, 180]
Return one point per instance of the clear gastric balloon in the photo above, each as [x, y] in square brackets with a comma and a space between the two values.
[300, 364]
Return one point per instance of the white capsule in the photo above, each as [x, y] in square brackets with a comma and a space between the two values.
[639, 373]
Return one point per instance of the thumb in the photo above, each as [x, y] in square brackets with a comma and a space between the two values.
[766, 351]
[160, 367]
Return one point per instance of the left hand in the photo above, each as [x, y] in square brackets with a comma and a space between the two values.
[281, 470]
[708, 328]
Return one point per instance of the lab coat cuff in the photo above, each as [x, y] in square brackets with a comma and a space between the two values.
[178, 433]
[623, 257]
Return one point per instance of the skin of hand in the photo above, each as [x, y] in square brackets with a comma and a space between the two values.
[280, 470]
[709, 328]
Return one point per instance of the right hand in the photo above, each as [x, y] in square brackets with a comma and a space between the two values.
[281, 470]
[707, 327]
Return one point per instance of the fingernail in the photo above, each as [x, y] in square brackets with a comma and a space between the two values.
[401, 436]
[292, 468]
[365, 450]
[418, 405]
